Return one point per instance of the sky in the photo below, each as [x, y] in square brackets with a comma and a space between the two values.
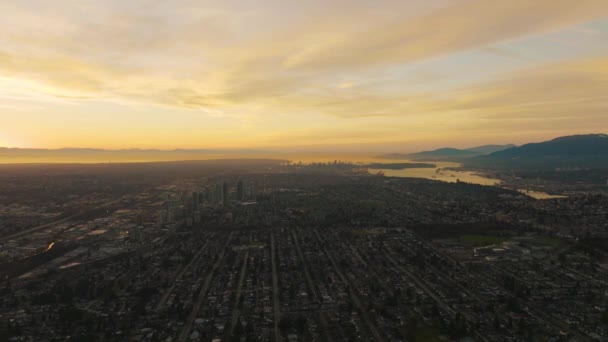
[318, 75]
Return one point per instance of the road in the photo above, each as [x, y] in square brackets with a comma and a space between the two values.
[236, 312]
[369, 268]
[356, 300]
[202, 294]
[419, 283]
[533, 310]
[65, 219]
[275, 289]
[165, 296]
[311, 285]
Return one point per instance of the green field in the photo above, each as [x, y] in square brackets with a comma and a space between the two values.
[481, 240]
[422, 334]
[368, 232]
[550, 241]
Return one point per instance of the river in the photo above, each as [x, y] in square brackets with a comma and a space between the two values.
[452, 176]
[442, 172]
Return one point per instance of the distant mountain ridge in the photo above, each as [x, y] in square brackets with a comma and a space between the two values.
[28, 155]
[568, 152]
[448, 153]
[101, 150]
[445, 153]
[586, 151]
[487, 149]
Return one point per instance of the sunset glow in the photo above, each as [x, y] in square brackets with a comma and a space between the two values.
[311, 75]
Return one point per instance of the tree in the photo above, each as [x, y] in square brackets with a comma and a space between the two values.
[301, 324]
[284, 325]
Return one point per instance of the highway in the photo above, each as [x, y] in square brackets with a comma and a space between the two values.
[202, 293]
[275, 289]
[236, 311]
[65, 219]
[353, 292]
[179, 276]
[311, 285]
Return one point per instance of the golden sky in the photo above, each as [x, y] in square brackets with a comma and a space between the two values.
[309, 75]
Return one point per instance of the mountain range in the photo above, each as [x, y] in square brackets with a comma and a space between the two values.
[449, 153]
[61, 155]
[589, 151]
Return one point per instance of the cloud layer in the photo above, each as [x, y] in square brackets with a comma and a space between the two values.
[270, 66]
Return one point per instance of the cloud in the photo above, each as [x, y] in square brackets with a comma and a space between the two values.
[462, 25]
[504, 53]
[209, 55]
[341, 64]
[562, 98]
[571, 88]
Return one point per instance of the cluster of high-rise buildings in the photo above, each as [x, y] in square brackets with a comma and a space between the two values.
[187, 205]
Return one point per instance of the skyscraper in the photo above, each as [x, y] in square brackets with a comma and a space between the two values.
[225, 193]
[240, 192]
[162, 217]
[195, 201]
[217, 194]
[251, 191]
[209, 195]
[135, 234]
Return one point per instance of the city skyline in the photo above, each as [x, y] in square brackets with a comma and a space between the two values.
[311, 76]
[342, 170]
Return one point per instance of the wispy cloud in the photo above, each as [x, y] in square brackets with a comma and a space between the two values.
[461, 25]
[295, 59]
[203, 59]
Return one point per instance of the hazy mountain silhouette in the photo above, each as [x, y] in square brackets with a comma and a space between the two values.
[569, 152]
[448, 153]
[28, 155]
[445, 153]
[487, 149]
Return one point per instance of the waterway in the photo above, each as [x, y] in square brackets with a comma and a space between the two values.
[442, 172]
[453, 176]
